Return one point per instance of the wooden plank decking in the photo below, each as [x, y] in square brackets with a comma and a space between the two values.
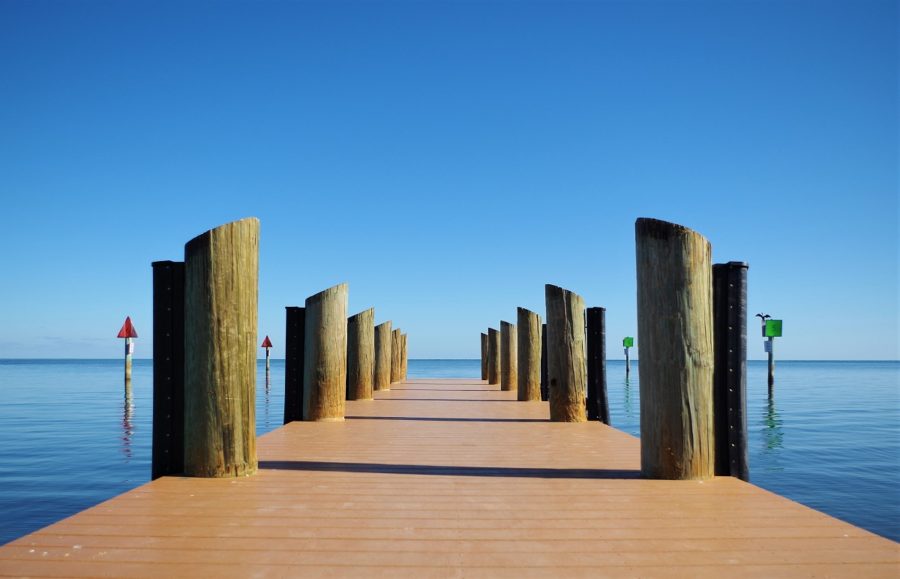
[449, 478]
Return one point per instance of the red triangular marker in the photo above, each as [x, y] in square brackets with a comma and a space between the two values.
[127, 330]
[267, 343]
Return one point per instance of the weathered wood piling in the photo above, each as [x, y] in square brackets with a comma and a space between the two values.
[361, 355]
[383, 356]
[404, 356]
[484, 356]
[566, 365]
[597, 401]
[294, 346]
[528, 329]
[545, 380]
[675, 330]
[509, 356]
[325, 355]
[220, 326]
[396, 355]
[493, 356]
[730, 372]
[168, 369]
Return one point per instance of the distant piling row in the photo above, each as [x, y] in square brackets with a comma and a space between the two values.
[204, 356]
[693, 388]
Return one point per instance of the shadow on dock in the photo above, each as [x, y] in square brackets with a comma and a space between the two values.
[475, 471]
[444, 419]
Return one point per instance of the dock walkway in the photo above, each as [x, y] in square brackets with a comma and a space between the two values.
[449, 478]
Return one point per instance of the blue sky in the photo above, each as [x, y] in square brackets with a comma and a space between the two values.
[448, 159]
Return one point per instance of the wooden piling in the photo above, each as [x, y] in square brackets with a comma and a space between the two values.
[674, 291]
[294, 339]
[493, 356]
[325, 355]
[221, 271]
[528, 329]
[383, 356]
[545, 381]
[168, 369]
[730, 372]
[484, 356]
[597, 401]
[509, 373]
[396, 353]
[361, 355]
[566, 366]
[404, 357]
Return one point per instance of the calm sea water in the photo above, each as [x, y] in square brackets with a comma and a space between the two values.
[829, 438]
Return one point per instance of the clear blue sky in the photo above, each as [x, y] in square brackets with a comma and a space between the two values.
[448, 159]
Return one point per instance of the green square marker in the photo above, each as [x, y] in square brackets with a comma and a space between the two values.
[629, 342]
[773, 328]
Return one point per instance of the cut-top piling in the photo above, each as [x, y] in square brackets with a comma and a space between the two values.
[493, 356]
[528, 328]
[361, 355]
[509, 357]
[396, 355]
[383, 356]
[675, 330]
[566, 366]
[221, 274]
[484, 356]
[325, 356]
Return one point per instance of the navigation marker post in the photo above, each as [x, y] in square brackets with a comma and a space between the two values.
[627, 343]
[129, 333]
[771, 329]
[267, 343]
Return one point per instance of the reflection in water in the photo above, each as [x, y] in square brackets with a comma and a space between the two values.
[629, 411]
[127, 425]
[773, 433]
[266, 406]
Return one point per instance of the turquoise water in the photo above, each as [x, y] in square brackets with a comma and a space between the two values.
[829, 438]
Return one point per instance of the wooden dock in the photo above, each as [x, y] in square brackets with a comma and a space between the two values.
[449, 478]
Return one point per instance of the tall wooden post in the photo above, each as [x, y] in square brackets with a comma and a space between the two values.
[528, 328]
[484, 356]
[404, 357]
[294, 340]
[730, 372]
[361, 355]
[396, 353]
[325, 355]
[493, 356]
[221, 271]
[509, 356]
[597, 401]
[566, 365]
[168, 369]
[383, 356]
[545, 380]
[674, 291]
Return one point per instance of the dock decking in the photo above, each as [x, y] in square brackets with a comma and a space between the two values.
[449, 478]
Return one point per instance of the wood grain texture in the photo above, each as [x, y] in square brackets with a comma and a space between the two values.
[404, 356]
[396, 354]
[484, 356]
[528, 343]
[383, 356]
[493, 356]
[361, 355]
[325, 355]
[675, 332]
[449, 478]
[509, 358]
[566, 364]
[221, 271]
